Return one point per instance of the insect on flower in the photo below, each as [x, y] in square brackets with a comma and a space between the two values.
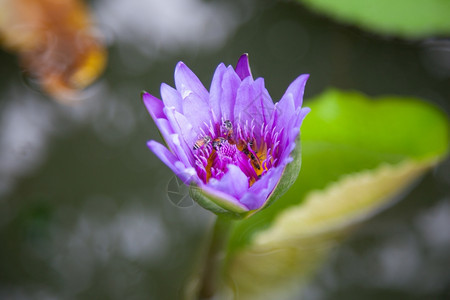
[202, 142]
[247, 149]
[228, 126]
[217, 143]
[247, 154]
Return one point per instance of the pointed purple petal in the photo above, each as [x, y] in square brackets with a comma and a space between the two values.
[297, 88]
[289, 138]
[197, 112]
[183, 127]
[253, 102]
[171, 97]
[185, 174]
[296, 123]
[289, 114]
[243, 67]
[284, 111]
[230, 85]
[153, 105]
[187, 82]
[195, 98]
[176, 146]
[156, 109]
[261, 189]
[304, 112]
[215, 92]
[223, 93]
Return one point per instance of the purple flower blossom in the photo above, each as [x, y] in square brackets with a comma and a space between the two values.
[234, 146]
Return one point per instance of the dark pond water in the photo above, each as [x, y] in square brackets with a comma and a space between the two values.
[84, 210]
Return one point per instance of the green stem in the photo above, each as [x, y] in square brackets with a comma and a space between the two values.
[213, 263]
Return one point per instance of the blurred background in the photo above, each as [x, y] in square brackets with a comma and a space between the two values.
[88, 212]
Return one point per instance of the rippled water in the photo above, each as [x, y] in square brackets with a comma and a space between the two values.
[85, 211]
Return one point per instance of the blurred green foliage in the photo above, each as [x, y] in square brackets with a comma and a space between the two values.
[406, 18]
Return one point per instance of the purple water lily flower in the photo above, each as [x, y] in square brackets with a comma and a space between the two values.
[236, 149]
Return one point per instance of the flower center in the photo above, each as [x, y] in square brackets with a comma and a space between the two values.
[253, 152]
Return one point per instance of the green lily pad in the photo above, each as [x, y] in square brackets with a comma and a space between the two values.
[407, 18]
